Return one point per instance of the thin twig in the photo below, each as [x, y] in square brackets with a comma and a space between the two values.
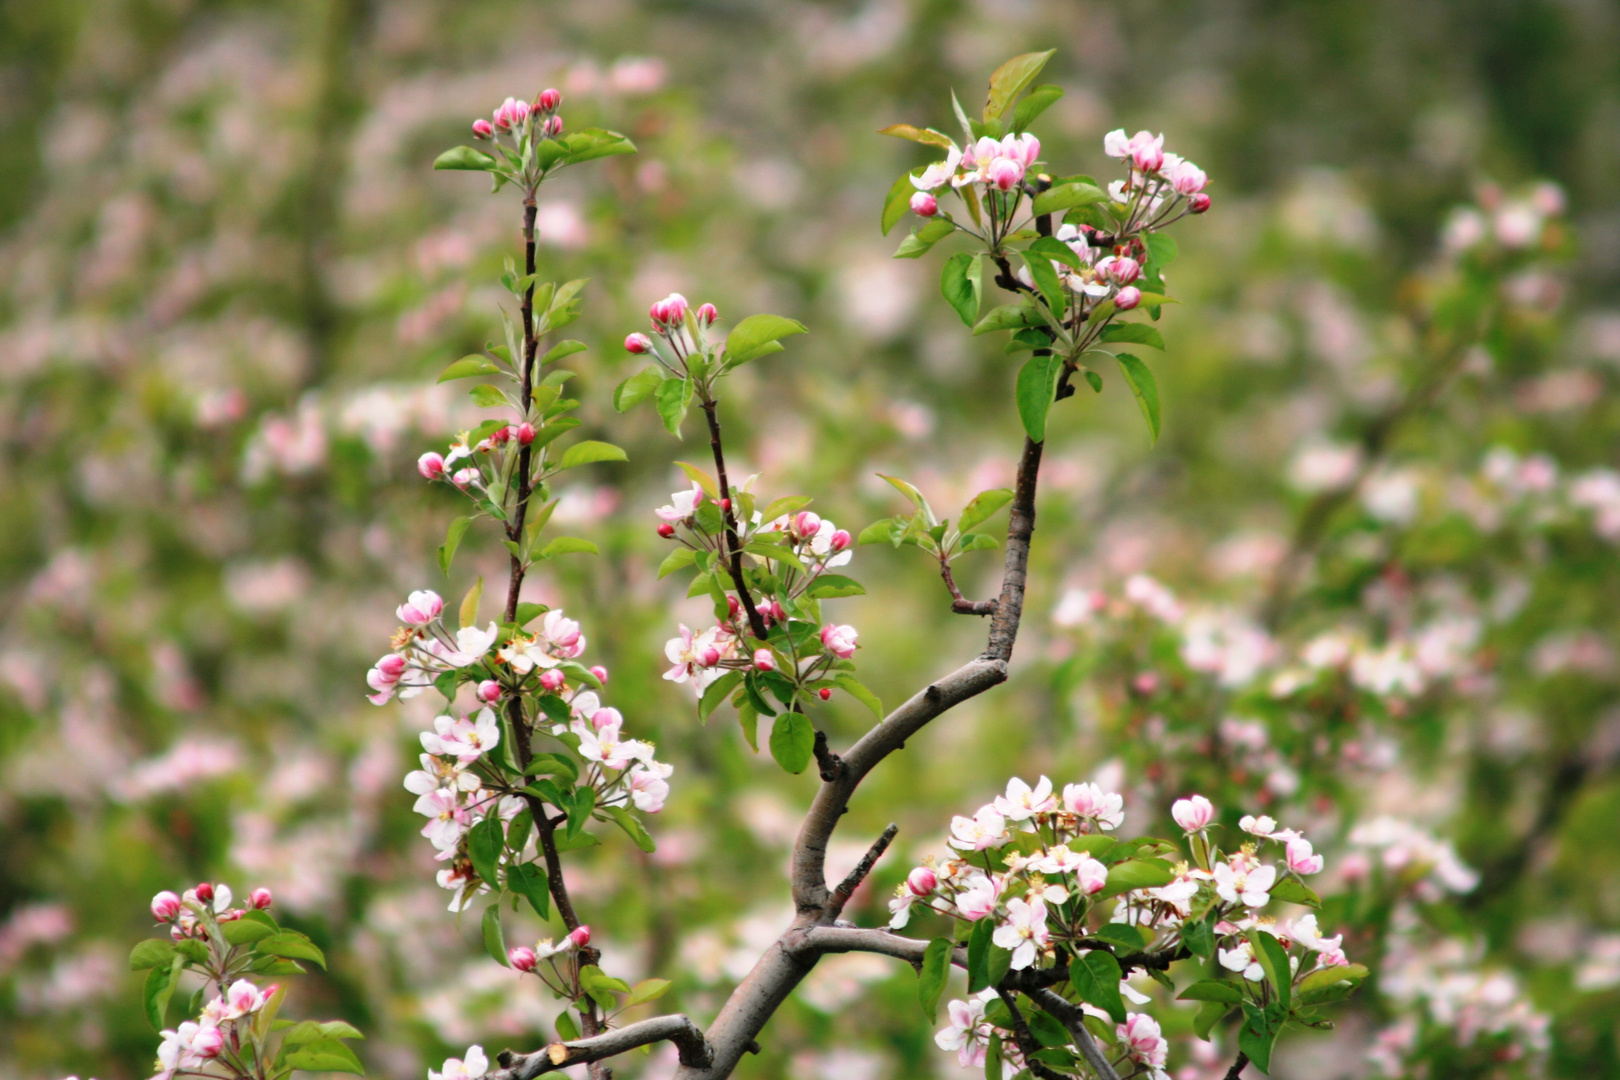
[734, 546]
[1072, 1018]
[1236, 1071]
[688, 1038]
[1027, 1043]
[853, 879]
[959, 603]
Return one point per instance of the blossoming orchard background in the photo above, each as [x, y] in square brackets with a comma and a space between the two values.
[228, 277]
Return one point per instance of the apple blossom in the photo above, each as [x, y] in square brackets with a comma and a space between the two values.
[1021, 802]
[1127, 298]
[669, 311]
[1240, 958]
[967, 1034]
[923, 204]
[1024, 933]
[521, 958]
[839, 640]
[1105, 808]
[1193, 814]
[938, 174]
[1300, 858]
[1241, 881]
[473, 1066]
[1143, 1041]
[922, 881]
[552, 680]
[165, 906]
[649, 786]
[431, 465]
[983, 830]
[682, 505]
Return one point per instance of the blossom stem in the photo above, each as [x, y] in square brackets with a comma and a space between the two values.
[514, 528]
[733, 545]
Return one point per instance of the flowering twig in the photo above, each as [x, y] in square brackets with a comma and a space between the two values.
[734, 546]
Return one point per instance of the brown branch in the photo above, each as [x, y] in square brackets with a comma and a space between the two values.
[514, 528]
[1027, 1043]
[1236, 1071]
[1072, 1018]
[733, 544]
[688, 1038]
[853, 879]
[959, 603]
[828, 764]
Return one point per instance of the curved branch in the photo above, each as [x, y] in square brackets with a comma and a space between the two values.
[688, 1039]
[1069, 1015]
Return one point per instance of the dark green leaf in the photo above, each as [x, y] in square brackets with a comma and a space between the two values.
[1120, 934]
[485, 841]
[1066, 197]
[291, 945]
[1046, 280]
[978, 955]
[159, 987]
[1257, 1037]
[1199, 937]
[1055, 250]
[322, 1055]
[1036, 387]
[1137, 874]
[246, 931]
[716, 693]
[464, 157]
[1095, 976]
[637, 388]
[1211, 990]
[494, 939]
[933, 975]
[1146, 389]
[924, 238]
[959, 283]
[1048, 1031]
[151, 953]
[1273, 960]
[529, 881]
[897, 201]
[792, 739]
[829, 586]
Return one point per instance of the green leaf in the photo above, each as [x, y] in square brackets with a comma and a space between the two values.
[452, 540]
[1037, 101]
[567, 545]
[1046, 280]
[1005, 317]
[1035, 389]
[562, 349]
[716, 693]
[924, 238]
[588, 144]
[679, 559]
[1120, 935]
[976, 542]
[151, 953]
[468, 366]
[1142, 384]
[1048, 1031]
[159, 987]
[529, 881]
[1066, 197]
[555, 764]
[632, 828]
[494, 938]
[672, 398]
[485, 841]
[1199, 937]
[926, 136]
[749, 338]
[1137, 874]
[589, 452]
[487, 397]
[637, 388]
[1134, 334]
[647, 990]
[792, 739]
[1209, 1014]
[579, 811]
[1095, 975]
[959, 283]
[1257, 1037]
[898, 201]
[978, 955]
[910, 491]
[1212, 990]
[466, 158]
[983, 507]
[933, 974]
[1322, 978]
[1273, 960]
[1293, 891]
[291, 945]
[245, 931]
[1009, 80]
[860, 693]
[830, 586]
[322, 1055]
[1054, 249]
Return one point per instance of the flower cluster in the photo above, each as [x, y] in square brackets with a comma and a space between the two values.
[424, 648]
[1509, 223]
[517, 118]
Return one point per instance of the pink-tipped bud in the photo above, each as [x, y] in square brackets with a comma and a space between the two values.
[707, 314]
[1128, 298]
[521, 958]
[666, 530]
[552, 680]
[393, 665]
[806, 524]
[841, 539]
[554, 126]
[1198, 203]
[921, 881]
[208, 1042]
[668, 311]
[637, 343]
[580, 936]
[601, 674]
[732, 605]
[725, 504]
[482, 129]
[1149, 157]
[205, 893]
[525, 433]
[548, 100]
[260, 899]
[1005, 173]
[825, 693]
[763, 660]
[431, 465]
[502, 435]
[1125, 270]
[923, 204]
[710, 657]
[1193, 813]
[165, 906]
[489, 691]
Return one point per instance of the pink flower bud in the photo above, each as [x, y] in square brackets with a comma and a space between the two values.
[1198, 203]
[552, 680]
[1125, 270]
[489, 691]
[554, 126]
[601, 674]
[923, 204]
[921, 881]
[580, 936]
[1127, 298]
[825, 693]
[666, 530]
[707, 314]
[525, 433]
[420, 608]
[392, 665]
[260, 899]
[502, 435]
[483, 130]
[205, 893]
[668, 311]
[208, 1042]
[710, 657]
[430, 465]
[1193, 813]
[638, 343]
[725, 504]
[732, 606]
[839, 640]
[841, 539]
[165, 906]
[1146, 683]
[1149, 156]
[548, 99]
[521, 958]
[1004, 173]
[806, 524]
[763, 660]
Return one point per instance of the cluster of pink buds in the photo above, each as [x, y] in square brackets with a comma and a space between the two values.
[1156, 175]
[675, 321]
[524, 959]
[183, 911]
[424, 648]
[513, 114]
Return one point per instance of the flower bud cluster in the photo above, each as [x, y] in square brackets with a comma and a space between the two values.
[424, 648]
[522, 119]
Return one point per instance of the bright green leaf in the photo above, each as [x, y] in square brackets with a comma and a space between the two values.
[466, 158]
[1034, 392]
[748, 338]
[792, 739]
[959, 283]
[933, 974]
[494, 938]
[1142, 384]
[1095, 975]
[588, 452]
[1010, 79]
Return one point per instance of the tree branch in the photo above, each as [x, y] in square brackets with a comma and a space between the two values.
[733, 545]
[959, 603]
[1236, 1071]
[853, 879]
[1072, 1018]
[687, 1037]
[1027, 1043]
